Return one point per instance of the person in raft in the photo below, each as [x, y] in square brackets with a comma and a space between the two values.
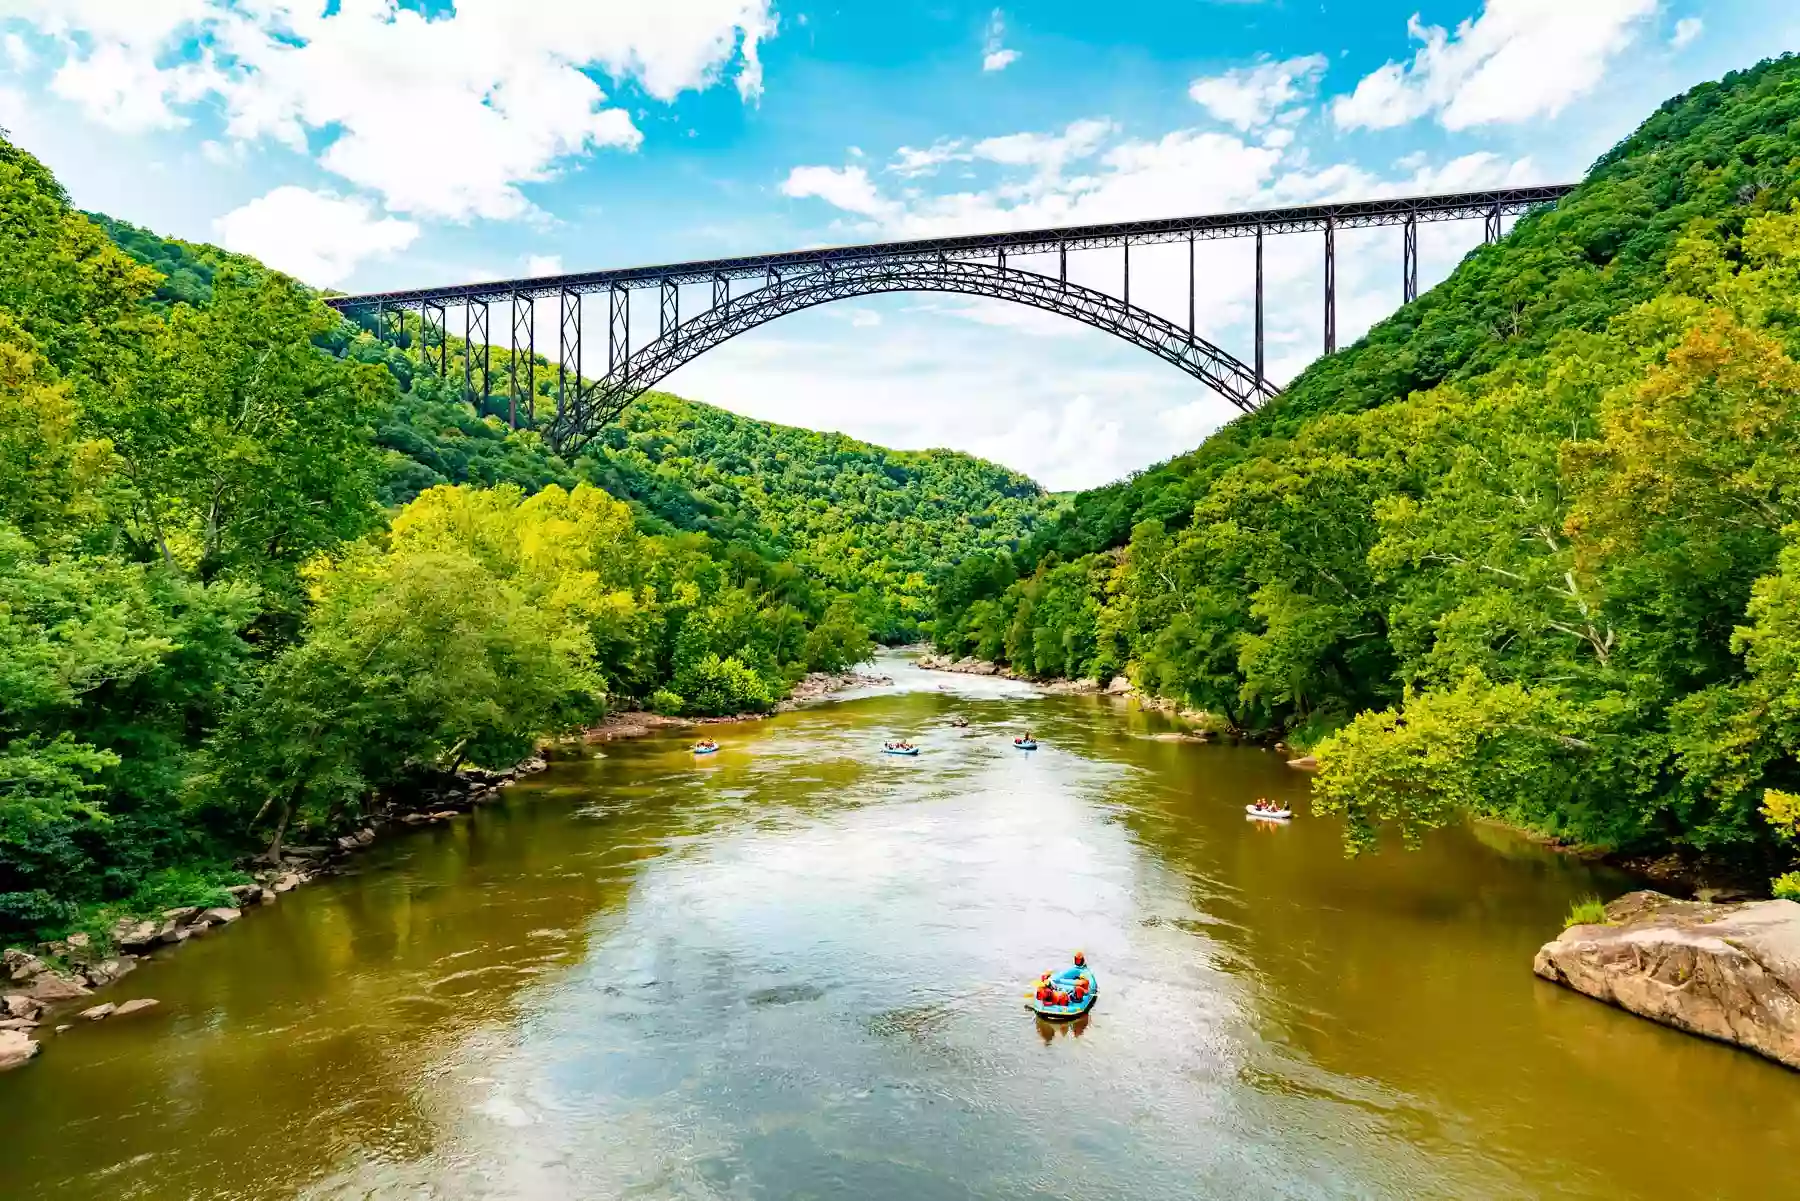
[1049, 993]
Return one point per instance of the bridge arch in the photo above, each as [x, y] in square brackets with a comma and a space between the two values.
[583, 416]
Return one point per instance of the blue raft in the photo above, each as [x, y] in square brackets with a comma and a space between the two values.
[702, 749]
[899, 750]
[1066, 979]
[1025, 744]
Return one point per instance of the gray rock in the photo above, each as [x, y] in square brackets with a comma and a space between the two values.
[109, 971]
[18, 1005]
[17, 1024]
[365, 836]
[347, 843]
[183, 915]
[1730, 972]
[245, 894]
[267, 898]
[1305, 763]
[16, 1047]
[137, 1006]
[135, 936]
[1118, 686]
[172, 932]
[78, 942]
[221, 916]
[287, 882]
[98, 1012]
[20, 966]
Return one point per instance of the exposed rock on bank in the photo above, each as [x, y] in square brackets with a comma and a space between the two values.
[815, 687]
[982, 667]
[1730, 972]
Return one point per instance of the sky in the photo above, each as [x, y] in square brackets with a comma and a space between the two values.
[374, 144]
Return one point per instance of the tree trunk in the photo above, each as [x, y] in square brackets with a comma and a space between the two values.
[287, 811]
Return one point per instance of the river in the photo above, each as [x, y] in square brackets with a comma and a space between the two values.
[795, 969]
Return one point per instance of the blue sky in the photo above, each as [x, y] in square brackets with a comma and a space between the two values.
[367, 144]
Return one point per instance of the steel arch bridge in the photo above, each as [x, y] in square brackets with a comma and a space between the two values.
[973, 265]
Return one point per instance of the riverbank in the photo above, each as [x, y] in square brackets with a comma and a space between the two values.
[813, 689]
[58, 979]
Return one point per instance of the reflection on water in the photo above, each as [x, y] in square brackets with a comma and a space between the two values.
[794, 969]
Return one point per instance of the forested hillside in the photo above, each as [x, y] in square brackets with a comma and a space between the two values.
[1528, 547]
[256, 566]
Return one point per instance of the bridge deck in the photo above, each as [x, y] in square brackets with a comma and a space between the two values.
[1357, 214]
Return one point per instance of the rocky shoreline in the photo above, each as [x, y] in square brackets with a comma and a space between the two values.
[47, 986]
[41, 988]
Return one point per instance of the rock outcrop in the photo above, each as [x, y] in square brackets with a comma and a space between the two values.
[16, 1047]
[1730, 972]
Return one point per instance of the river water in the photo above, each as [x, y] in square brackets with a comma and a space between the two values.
[795, 969]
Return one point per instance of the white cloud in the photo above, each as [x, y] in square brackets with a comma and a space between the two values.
[865, 318]
[1686, 30]
[544, 264]
[1519, 59]
[847, 188]
[1249, 96]
[909, 161]
[994, 54]
[316, 237]
[394, 96]
[18, 54]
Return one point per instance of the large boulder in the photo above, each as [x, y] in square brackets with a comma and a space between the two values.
[1730, 972]
[20, 966]
[220, 915]
[137, 1006]
[135, 936]
[16, 1047]
[108, 971]
[49, 986]
[18, 1005]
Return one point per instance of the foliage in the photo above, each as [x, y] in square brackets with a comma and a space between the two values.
[1588, 911]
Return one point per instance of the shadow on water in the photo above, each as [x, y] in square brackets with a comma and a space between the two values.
[795, 969]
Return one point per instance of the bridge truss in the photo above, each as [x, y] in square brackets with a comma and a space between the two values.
[974, 265]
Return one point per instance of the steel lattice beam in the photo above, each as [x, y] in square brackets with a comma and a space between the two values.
[642, 370]
[1359, 214]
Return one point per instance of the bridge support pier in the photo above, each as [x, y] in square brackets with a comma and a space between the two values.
[1330, 286]
[522, 382]
[475, 342]
[1409, 264]
[568, 357]
[432, 312]
[1261, 375]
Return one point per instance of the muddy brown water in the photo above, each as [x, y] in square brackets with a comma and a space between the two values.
[794, 969]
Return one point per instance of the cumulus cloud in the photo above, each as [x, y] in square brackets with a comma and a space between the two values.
[1519, 59]
[994, 54]
[543, 264]
[1246, 97]
[1686, 30]
[393, 95]
[316, 237]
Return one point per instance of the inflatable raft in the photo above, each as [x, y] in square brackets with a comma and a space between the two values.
[1269, 815]
[1025, 744]
[703, 749]
[899, 750]
[1065, 980]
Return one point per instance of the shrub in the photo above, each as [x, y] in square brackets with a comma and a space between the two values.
[1588, 911]
[1787, 887]
[667, 703]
